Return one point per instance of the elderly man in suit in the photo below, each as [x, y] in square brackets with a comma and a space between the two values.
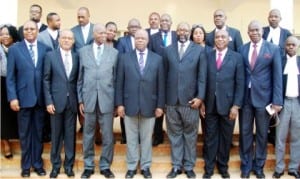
[263, 86]
[290, 114]
[140, 97]
[185, 69]
[224, 97]
[50, 36]
[158, 42]
[25, 94]
[235, 38]
[96, 91]
[126, 44]
[60, 84]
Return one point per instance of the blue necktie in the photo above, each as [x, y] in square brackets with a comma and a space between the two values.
[31, 52]
[141, 63]
[165, 39]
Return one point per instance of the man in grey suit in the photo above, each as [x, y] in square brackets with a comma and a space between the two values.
[50, 36]
[224, 97]
[60, 82]
[140, 97]
[96, 91]
[185, 67]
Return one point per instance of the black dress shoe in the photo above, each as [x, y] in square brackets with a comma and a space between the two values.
[225, 174]
[69, 172]
[40, 171]
[277, 174]
[130, 173]
[245, 175]
[173, 173]
[25, 173]
[207, 175]
[190, 174]
[156, 142]
[107, 173]
[294, 173]
[259, 174]
[54, 173]
[87, 173]
[146, 173]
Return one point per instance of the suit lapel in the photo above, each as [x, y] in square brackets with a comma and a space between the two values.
[148, 62]
[226, 58]
[128, 41]
[60, 64]
[212, 61]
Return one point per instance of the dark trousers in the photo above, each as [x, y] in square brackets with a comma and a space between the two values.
[31, 123]
[158, 133]
[63, 133]
[253, 158]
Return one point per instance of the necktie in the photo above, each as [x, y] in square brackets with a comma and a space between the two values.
[219, 61]
[181, 50]
[165, 39]
[141, 62]
[253, 57]
[31, 52]
[271, 40]
[99, 54]
[67, 64]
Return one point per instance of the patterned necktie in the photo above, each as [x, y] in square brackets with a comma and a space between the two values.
[31, 52]
[141, 63]
[219, 61]
[165, 39]
[67, 64]
[181, 50]
[99, 55]
[253, 57]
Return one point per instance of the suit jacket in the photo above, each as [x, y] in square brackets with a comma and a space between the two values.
[156, 42]
[45, 38]
[285, 76]
[42, 28]
[284, 34]
[124, 44]
[97, 83]
[235, 38]
[266, 77]
[185, 78]
[79, 40]
[140, 94]
[226, 85]
[24, 80]
[57, 86]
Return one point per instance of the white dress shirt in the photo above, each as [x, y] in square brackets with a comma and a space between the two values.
[169, 37]
[53, 33]
[292, 72]
[67, 60]
[274, 34]
[85, 31]
[34, 48]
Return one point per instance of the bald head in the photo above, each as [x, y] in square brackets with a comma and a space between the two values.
[141, 39]
[219, 18]
[66, 39]
[99, 33]
[83, 16]
[274, 18]
[291, 45]
[133, 25]
[255, 31]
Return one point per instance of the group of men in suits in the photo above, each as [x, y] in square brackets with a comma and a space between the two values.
[142, 76]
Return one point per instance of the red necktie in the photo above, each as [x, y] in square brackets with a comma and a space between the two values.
[253, 57]
[219, 60]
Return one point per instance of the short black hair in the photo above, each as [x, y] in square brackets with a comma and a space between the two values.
[12, 31]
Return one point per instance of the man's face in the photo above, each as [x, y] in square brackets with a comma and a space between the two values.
[141, 40]
[83, 17]
[274, 18]
[165, 22]
[221, 40]
[30, 31]
[133, 26]
[183, 33]
[111, 31]
[55, 22]
[255, 32]
[291, 46]
[154, 21]
[100, 35]
[66, 40]
[35, 14]
[219, 19]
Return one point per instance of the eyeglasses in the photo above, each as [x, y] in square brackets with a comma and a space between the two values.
[29, 29]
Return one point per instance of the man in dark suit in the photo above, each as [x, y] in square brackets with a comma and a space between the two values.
[35, 14]
[140, 97]
[96, 93]
[185, 68]
[154, 21]
[60, 81]
[235, 39]
[25, 94]
[263, 86]
[224, 97]
[290, 114]
[276, 35]
[158, 42]
[126, 44]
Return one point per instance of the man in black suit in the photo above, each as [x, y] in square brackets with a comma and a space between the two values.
[35, 14]
[158, 42]
[224, 96]
[154, 21]
[60, 80]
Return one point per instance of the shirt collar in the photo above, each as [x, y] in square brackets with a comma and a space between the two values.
[63, 52]
[258, 44]
[28, 43]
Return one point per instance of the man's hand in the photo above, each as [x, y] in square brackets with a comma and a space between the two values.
[81, 109]
[234, 111]
[276, 108]
[202, 111]
[51, 109]
[14, 105]
[121, 111]
[195, 103]
[158, 112]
